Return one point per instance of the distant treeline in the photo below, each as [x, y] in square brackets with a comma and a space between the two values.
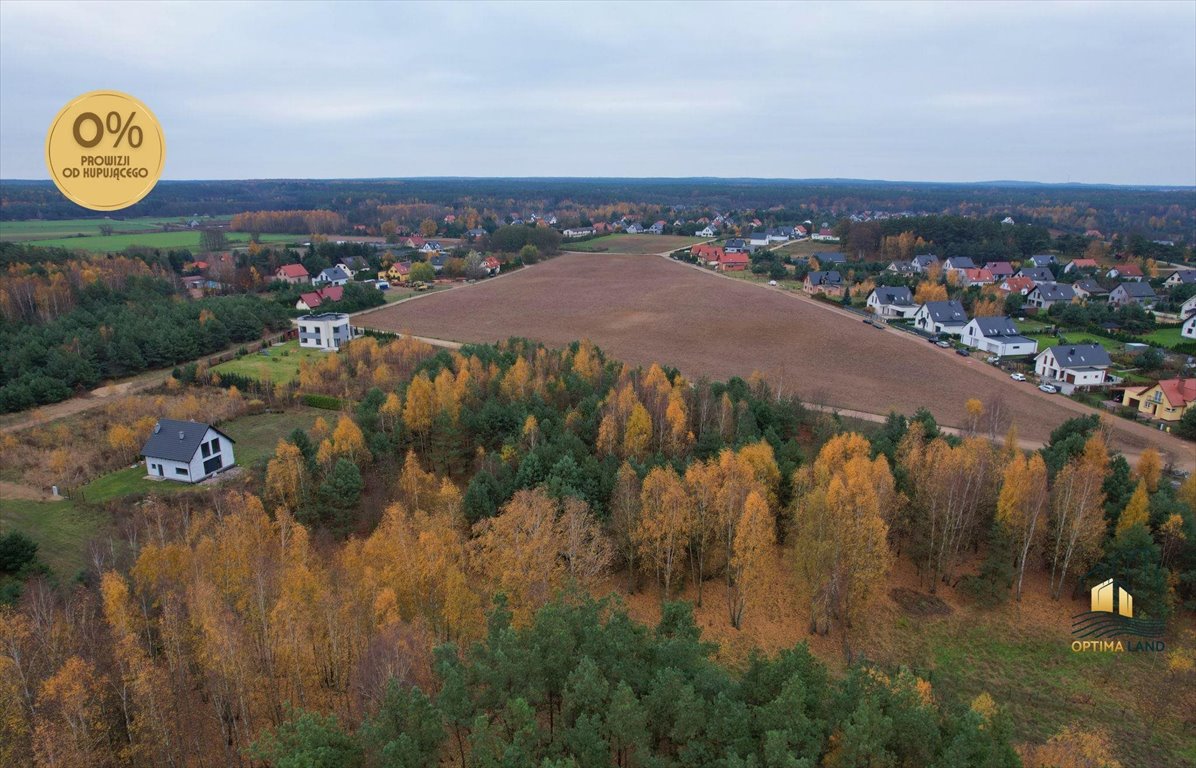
[1157, 212]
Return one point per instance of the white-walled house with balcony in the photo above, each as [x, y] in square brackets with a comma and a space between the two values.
[327, 330]
[187, 451]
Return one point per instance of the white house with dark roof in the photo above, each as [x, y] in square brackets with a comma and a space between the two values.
[1133, 293]
[1181, 277]
[1081, 365]
[1047, 295]
[888, 301]
[332, 276]
[924, 262]
[998, 336]
[1037, 274]
[187, 451]
[1041, 260]
[1188, 329]
[1089, 290]
[708, 231]
[941, 317]
[758, 239]
[958, 263]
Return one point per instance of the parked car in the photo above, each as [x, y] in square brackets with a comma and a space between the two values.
[943, 344]
[1018, 376]
[962, 352]
[772, 282]
[1050, 389]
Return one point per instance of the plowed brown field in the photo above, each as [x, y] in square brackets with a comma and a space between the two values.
[642, 309]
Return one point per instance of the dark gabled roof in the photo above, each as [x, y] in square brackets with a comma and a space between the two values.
[334, 273]
[829, 257]
[1089, 285]
[924, 259]
[1138, 290]
[1186, 276]
[1054, 292]
[1080, 355]
[1037, 274]
[177, 440]
[961, 262]
[899, 295]
[1042, 259]
[991, 327]
[825, 278]
[901, 266]
[946, 311]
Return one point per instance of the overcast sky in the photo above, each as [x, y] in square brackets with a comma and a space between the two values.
[1099, 92]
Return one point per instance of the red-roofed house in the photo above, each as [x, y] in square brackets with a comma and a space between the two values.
[492, 265]
[1125, 272]
[1078, 264]
[733, 262]
[415, 241]
[293, 274]
[310, 301]
[1000, 269]
[1022, 285]
[1165, 401]
[710, 255]
[975, 277]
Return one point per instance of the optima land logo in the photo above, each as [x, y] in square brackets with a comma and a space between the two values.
[1111, 617]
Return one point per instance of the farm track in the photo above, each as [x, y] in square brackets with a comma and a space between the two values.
[642, 309]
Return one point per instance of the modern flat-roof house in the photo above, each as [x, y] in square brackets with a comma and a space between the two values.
[292, 274]
[1133, 293]
[887, 301]
[941, 317]
[997, 335]
[1047, 295]
[573, 232]
[1166, 400]
[327, 330]
[1081, 365]
[187, 451]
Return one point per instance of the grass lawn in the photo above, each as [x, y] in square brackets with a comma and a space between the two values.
[1079, 337]
[254, 436]
[1030, 327]
[188, 239]
[60, 529]
[632, 244]
[800, 249]
[1165, 337]
[280, 366]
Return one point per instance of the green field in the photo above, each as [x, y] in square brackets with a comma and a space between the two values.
[281, 366]
[47, 230]
[1165, 337]
[182, 239]
[60, 529]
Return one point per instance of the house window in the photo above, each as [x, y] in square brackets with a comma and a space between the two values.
[206, 449]
[180, 471]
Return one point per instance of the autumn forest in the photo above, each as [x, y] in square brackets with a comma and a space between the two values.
[437, 572]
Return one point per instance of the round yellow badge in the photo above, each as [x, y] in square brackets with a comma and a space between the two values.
[105, 150]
